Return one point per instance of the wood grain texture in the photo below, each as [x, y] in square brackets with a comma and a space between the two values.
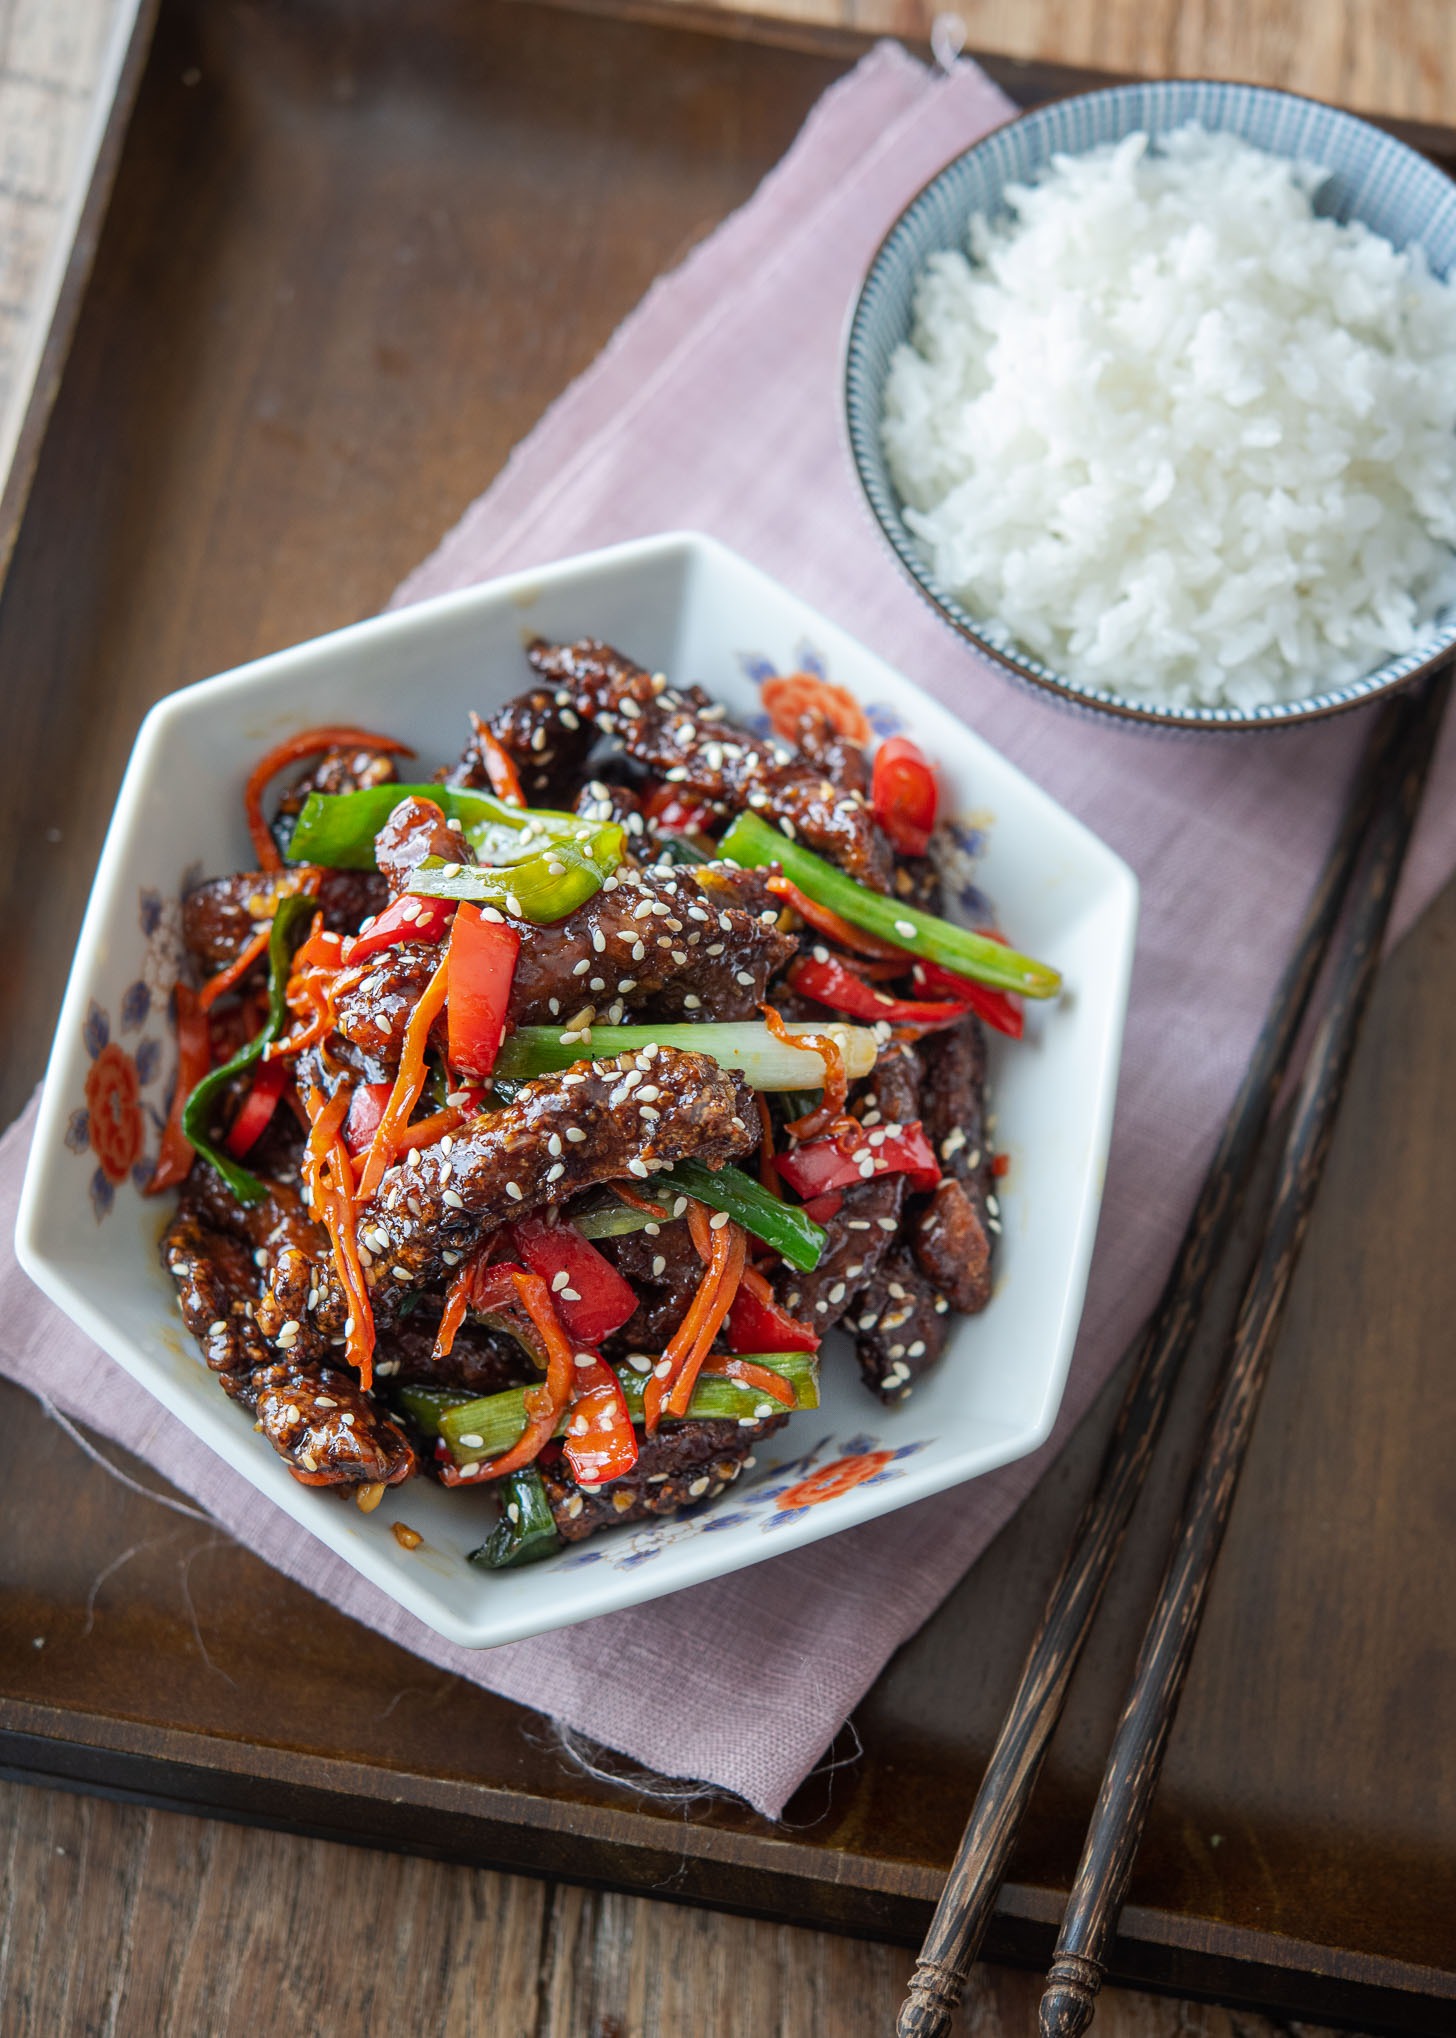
[344, 271]
[968, 1899]
[122, 1922]
[1390, 57]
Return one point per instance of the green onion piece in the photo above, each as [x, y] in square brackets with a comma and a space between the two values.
[526, 1531]
[745, 1045]
[683, 849]
[494, 1422]
[289, 915]
[425, 1405]
[610, 1220]
[784, 1226]
[753, 843]
[547, 885]
[338, 829]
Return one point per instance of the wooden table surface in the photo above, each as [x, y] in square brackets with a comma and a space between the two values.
[118, 1919]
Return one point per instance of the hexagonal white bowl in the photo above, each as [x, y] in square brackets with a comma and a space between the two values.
[682, 604]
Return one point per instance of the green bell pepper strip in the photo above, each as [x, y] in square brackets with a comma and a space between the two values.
[746, 1045]
[494, 1422]
[792, 1234]
[291, 913]
[545, 886]
[526, 1531]
[753, 843]
[338, 829]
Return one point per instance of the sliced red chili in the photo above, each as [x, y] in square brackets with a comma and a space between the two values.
[482, 963]
[194, 1060]
[588, 1293]
[756, 1324]
[903, 794]
[259, 1105]
[999, 1009]
[410, 918]
[674, 813]
[366, 1108]
[600, 1442]
[839, 1163]
[832, 982]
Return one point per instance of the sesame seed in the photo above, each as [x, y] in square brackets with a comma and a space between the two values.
[584, 1359]
[661, 1370]
[575, 1133]
[555, 1172]
[515, 1193]
[638, 1168]
[559, 1280]
[574, 1506]
[453, 1199]
[472, 1442]
[698, 1488]
[717, 1221]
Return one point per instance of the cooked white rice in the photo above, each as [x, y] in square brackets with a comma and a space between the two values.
[1178, 437]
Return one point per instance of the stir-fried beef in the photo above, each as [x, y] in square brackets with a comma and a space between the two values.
[900, 1327]
[544, 739]
[374, 1006]
[604, 1121]
[324, 1426]
[217, 1286]
[839, 757]
[685, 1462]
[953, 1236]
[690, 743]
[337, 771]
[662, 943]
[858, 1236]
[663, 1268]
[416, 829]
[220, 917]
[481, 1361]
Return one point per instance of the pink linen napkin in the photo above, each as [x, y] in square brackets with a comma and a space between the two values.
[716, 407]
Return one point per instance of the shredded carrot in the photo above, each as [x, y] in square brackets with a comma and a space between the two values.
[241, 963]
[768, 1174]
[725, 1250]
[407, 1084]
[758, 1377]
[425, 1131]
[329, 1176]
[307, 743]
[544, 1403]
[625, 1193]
[827, 921]
[457, 1301]
[836, 1082]
[500, 769]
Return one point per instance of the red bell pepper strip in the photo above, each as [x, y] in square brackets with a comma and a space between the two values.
[366, 1108]
[756, 1323]
[307, 743]
[259, 1105]
[997, 1008]
[822, 1208]
[409, 918]
[592, 1299]
[833, 983]
[903, 794]
[600, 1442]
[667, 809]
[825, 920]
[194, 1060]
[482, 963]
[841, 1162]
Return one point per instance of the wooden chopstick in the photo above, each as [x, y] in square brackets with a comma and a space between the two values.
[1133, 1766]
[966, 1903]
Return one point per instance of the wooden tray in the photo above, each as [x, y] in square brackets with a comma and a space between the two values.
[340, 276]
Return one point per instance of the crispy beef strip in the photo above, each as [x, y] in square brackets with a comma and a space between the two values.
[664, 1270]
[317, 1418]
[599, 1122]
[687, 740]
[373, 1009]
[684, 1463]
[663, 943]
[953, 1235]
[545, 740]
[481, 1361]
[416, 829]
[900, 1327]
[337, 771]
[288, 1254]
[323, 1425]
[221, 916]
[840, 758]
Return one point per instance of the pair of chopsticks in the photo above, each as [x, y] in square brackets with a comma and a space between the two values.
[1344, 925]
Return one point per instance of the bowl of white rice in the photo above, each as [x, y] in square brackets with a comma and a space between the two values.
[1153, 394]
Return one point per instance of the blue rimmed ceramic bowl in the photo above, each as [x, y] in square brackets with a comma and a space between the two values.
[1372, 178]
